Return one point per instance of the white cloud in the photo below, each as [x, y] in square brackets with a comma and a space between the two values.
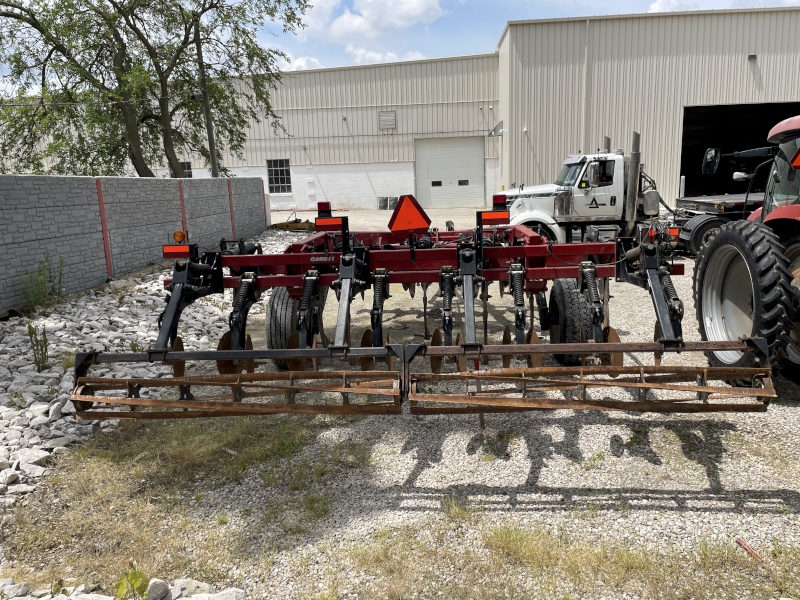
[317, 19]
[362, 56]
[371, 18]
[301, 63]
[671, 6]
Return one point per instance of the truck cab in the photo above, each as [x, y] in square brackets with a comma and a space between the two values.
[589, 189]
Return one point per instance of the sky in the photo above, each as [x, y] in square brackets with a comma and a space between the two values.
[355, 32]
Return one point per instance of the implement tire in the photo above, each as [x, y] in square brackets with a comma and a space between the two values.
[742, 287]
[281, 315]
[790, 338]
[569, 315]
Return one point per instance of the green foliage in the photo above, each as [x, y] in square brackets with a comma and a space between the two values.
[39, 345]
[132, 584]
[136, 346]
[68, 360]
[92, 84]
[44, 286]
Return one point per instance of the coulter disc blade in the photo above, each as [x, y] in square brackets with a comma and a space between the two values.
[436, 361]
[367, 362]
[226, 367]
[506, 342]
[294, 364]
[178, 366]
[534, 360]
[611, 359]
[461, 360]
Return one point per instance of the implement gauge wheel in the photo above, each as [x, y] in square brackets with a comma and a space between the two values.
[569, 316]
[742, 287]
[281, 315]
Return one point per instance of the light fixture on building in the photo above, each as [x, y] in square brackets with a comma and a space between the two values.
[525, 129]
[752, 56]
[344, 118]
[302, 147]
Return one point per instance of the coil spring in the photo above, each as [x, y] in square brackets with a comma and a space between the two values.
[380, 290]
[591, 284]
[447, 291]
[241, 297]
[517, 287]
[669, 287]
[308, 290]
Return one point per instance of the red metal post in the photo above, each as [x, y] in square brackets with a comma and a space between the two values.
[104, 225]
[230, 201]
[183, 208]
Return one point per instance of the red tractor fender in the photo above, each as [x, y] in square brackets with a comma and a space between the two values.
[755, 215]
[785, 221]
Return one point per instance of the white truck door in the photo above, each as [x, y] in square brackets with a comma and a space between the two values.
[605, 200]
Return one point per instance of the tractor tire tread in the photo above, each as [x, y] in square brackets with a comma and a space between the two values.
[280, 322]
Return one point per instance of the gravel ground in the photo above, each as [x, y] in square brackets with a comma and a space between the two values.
[655, 482]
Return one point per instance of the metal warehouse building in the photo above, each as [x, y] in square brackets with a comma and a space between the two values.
[454, 130]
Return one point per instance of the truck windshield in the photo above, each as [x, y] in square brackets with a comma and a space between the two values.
[570, 173]
[783, 185]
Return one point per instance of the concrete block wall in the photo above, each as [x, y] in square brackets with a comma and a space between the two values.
[59, 215]
[208, 211]
[248, 206]
[62, 215]
[142, 214]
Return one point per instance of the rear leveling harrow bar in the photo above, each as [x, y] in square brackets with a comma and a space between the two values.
[411, 253]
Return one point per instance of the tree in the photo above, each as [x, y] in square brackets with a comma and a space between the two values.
[95, 83]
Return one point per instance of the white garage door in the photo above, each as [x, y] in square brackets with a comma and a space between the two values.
[449, 172]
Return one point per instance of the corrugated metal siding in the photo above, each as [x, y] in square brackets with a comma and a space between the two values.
[640, 73]
[440, 98]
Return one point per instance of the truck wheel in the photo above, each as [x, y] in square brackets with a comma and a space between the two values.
[569, 316]
[281, 310]
[703, 234]
[791, 336]
[742, 288]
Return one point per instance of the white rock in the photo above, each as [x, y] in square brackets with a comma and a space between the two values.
[90, 597]
[8, 476]
[194, 587]
[39, 421]
[39, 408]
[32, 470]
[31, 456]
[158, 589]
[59, 442]
[21, 488]
[54, 413]
[16, 590]
[229, 594]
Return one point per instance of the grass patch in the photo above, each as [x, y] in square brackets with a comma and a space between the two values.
[123, 496]
[68, 360]
[317, 505]
[458, 508]
[712, 570]
[593, 461]
[43, 288]
[352, 454]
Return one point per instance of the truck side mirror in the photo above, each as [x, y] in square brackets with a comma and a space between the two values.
[739, 176]
[711, 161]
[593, 174]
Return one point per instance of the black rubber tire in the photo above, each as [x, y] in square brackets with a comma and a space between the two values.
[281, 310]
[791, 366]
[703, 234]
[569, 315]
[762, 252]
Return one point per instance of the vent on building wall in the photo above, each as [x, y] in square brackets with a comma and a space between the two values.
[186, 166]
[387, 119]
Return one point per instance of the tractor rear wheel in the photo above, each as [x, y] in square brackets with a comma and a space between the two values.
[569, 318]
[791, 336]
[742, 287]
[281, 315]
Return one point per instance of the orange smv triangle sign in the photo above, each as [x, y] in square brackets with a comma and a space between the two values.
[408, 217]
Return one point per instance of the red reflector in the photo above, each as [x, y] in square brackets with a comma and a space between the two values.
[180, 251]
[495, 217]
[651, 235]
[328, 223]
[796, 160]
[499, 200]
[323, 205]
[674, 232]
[408, 217]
